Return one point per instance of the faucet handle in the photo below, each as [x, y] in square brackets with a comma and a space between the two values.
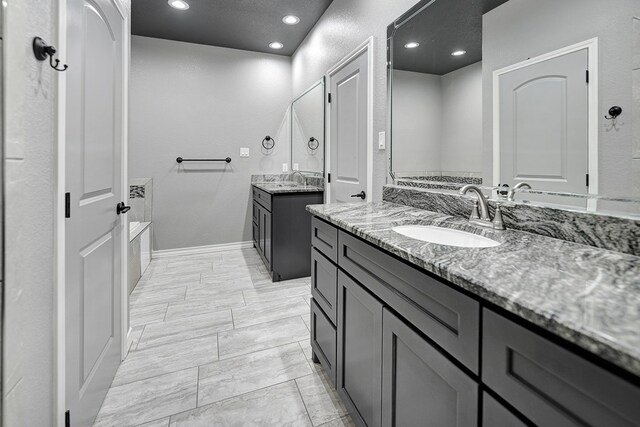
[475, 212]
[498, 224]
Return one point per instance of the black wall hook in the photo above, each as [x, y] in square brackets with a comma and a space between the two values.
[41, 50]
[614, 112]
[268, 142]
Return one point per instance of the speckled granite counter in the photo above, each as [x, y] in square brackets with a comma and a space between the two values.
[286, 187]
[586, 295]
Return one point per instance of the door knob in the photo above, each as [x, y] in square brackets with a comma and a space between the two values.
[361, 194]
[122, 208]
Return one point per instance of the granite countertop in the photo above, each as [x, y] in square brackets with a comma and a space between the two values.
[277, 187]
[586, 295]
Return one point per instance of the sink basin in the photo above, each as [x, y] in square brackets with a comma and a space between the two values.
[445, 236]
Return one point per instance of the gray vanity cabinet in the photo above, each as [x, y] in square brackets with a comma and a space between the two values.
[359, 351]
[420, 386]
[549, 384]
[281, 231]
[496, 415]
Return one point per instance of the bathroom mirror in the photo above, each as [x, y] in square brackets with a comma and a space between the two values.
[500, 92]
[307, 130]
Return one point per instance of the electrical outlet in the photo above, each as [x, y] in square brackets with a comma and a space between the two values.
[296, 167]
[285, 167]
[244, 152]
[382, 143]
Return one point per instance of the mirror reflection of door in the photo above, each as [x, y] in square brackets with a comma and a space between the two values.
[542, 127]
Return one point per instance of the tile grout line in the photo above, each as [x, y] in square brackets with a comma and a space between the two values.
[302, 399]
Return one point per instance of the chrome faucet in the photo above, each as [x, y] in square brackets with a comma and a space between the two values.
[512, 193]
[480, 213]
[293, 174]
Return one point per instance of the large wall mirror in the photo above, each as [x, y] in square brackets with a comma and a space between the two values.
[504, 92]
[307, 131]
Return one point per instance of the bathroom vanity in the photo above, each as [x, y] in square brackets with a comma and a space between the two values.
[281, 226]
[533, 331]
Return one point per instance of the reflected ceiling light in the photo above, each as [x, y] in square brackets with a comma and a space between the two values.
[458, 52]
[291, 20]
[276, 45]
[412, 45]
[179, 4]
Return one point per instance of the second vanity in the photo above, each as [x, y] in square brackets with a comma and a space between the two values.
[533, 331]
[281, 226]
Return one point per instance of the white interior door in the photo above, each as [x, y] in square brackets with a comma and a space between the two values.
[543, 125]
[94, 231]
[348, 137]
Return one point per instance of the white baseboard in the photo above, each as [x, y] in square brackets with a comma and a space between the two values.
[196, 250]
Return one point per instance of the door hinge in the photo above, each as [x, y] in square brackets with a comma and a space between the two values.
[587, 73]
[587, 179]
[328, 178]
[67, 205]
[329, 98]
[67, 417]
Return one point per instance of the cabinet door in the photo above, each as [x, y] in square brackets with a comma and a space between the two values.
[496, 415]
[267, 236]
[420, 386]
[359, 351]
[260, 229]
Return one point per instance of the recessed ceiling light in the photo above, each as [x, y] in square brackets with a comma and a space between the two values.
[291, 20]
[458, 52]
[276, 45]
[179, 4]
[412, 45]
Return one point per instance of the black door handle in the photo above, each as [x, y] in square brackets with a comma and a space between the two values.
[122, 208]
[361, 194]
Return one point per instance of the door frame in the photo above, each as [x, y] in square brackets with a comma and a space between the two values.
[367, 47]
[59, 225]
[592, 116]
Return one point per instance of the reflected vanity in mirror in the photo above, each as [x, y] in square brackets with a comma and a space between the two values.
[514, 93]
[307, 131]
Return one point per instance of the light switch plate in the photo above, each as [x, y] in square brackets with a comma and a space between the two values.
[285, 167]
[244, 152]
[382, 143]
[296, 167]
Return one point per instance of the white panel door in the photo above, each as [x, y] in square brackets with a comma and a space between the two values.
[544, 124]
[349, 99]
[94, 230]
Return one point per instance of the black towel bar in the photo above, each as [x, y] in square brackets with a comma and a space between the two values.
[180, 160]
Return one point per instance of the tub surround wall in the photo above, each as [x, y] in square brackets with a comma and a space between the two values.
[141, 199]
[201, 101]
[583, 294]
[601, 231]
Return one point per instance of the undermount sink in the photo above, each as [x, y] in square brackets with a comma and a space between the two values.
[445, 236]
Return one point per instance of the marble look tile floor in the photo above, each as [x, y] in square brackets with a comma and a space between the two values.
[215, 343]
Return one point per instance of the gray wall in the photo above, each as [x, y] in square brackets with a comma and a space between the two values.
[344, 25]
[193, 100]
[417, 123]
[521, 29]
[437, 121]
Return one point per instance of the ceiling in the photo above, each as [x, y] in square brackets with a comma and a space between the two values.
[238, 24]
[442, 28]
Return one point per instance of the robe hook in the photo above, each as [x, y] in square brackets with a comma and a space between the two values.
[41, 50]
[614, 112]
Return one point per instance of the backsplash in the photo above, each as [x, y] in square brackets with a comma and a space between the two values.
[314, 180]
[601, 231]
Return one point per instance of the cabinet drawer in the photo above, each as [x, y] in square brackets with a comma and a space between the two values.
[496, 415]
[324, 284]
[420, 386]
[323, 340]
[549, 384]
[262, 197]
[448, 317]
[324, 237]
